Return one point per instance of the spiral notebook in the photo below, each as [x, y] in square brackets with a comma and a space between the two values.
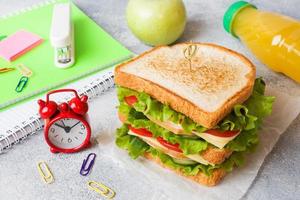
[94, 48]
[26, 120]
[97, 53]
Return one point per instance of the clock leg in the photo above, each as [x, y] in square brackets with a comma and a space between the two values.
[53, 150]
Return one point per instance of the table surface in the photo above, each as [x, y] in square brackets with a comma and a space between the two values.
[278, 178]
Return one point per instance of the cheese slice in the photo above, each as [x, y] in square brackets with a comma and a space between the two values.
[215, 140]
[171, 126]
[155, 144]
[219, 142]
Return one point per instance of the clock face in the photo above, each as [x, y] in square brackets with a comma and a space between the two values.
[67, 133]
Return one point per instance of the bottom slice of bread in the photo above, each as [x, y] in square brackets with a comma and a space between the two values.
[201, 178]
[215, 155]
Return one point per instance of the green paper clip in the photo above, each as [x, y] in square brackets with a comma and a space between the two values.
[2, 37]
[22, 83]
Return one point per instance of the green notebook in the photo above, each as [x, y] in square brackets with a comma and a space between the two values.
[95, 50]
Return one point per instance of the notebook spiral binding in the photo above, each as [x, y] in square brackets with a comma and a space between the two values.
[94, 89]
[34, 123]
[35, 6]
[18, 134]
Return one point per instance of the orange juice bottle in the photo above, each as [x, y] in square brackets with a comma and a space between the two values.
[273, 38]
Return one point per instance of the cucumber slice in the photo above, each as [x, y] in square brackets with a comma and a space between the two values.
[190, 136]
[184, 161]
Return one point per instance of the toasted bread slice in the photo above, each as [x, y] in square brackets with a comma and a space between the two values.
[203, 86]
[200, 178]
[215, 155]
[212, 154]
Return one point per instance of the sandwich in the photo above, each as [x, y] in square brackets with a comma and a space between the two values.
[193, 108]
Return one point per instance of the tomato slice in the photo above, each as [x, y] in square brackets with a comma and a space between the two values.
[174, 147]
[220, 133]
[130, 100]
[140, 131]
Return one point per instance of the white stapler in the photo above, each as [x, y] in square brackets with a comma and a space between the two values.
[62, 36]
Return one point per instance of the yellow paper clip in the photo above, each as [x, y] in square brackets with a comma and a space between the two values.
[25, 71]
[101, 189]
[6, 69]
[45, 172]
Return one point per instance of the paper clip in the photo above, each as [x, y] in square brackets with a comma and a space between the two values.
[25, 71]
[2, 37]
[6, 69]
[85, 170]
[45, 172]
[101, 189]
[22, 83]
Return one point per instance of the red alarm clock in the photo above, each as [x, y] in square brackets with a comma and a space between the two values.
[66, 128]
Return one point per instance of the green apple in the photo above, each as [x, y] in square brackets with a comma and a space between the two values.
[156, 22]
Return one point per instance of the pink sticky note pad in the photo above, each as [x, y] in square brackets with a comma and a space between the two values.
[17, 44]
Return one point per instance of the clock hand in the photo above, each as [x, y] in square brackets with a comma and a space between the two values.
[63, 123]
[60, 126]
[74, 125]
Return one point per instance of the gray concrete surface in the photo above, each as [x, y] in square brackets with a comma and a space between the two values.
[278, 178]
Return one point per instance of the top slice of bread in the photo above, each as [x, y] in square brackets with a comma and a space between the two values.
[204, 88]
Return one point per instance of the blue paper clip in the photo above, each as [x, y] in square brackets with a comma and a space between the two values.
[22, 83]
[85, 170]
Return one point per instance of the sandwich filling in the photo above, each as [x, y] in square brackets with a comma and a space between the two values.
[153, 127]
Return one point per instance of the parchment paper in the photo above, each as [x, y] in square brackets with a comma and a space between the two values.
[167, 185]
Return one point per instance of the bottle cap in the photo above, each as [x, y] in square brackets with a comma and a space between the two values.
[231, 12]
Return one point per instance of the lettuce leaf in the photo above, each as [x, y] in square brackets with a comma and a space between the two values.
[136, 147]
[243, 117]
[245, 140]
[247, 117]
[260, 106]
[124, 92]
[157, 110]
[187, 145]
[235, 160]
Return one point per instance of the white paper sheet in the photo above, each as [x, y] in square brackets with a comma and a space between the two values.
[168, 185]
